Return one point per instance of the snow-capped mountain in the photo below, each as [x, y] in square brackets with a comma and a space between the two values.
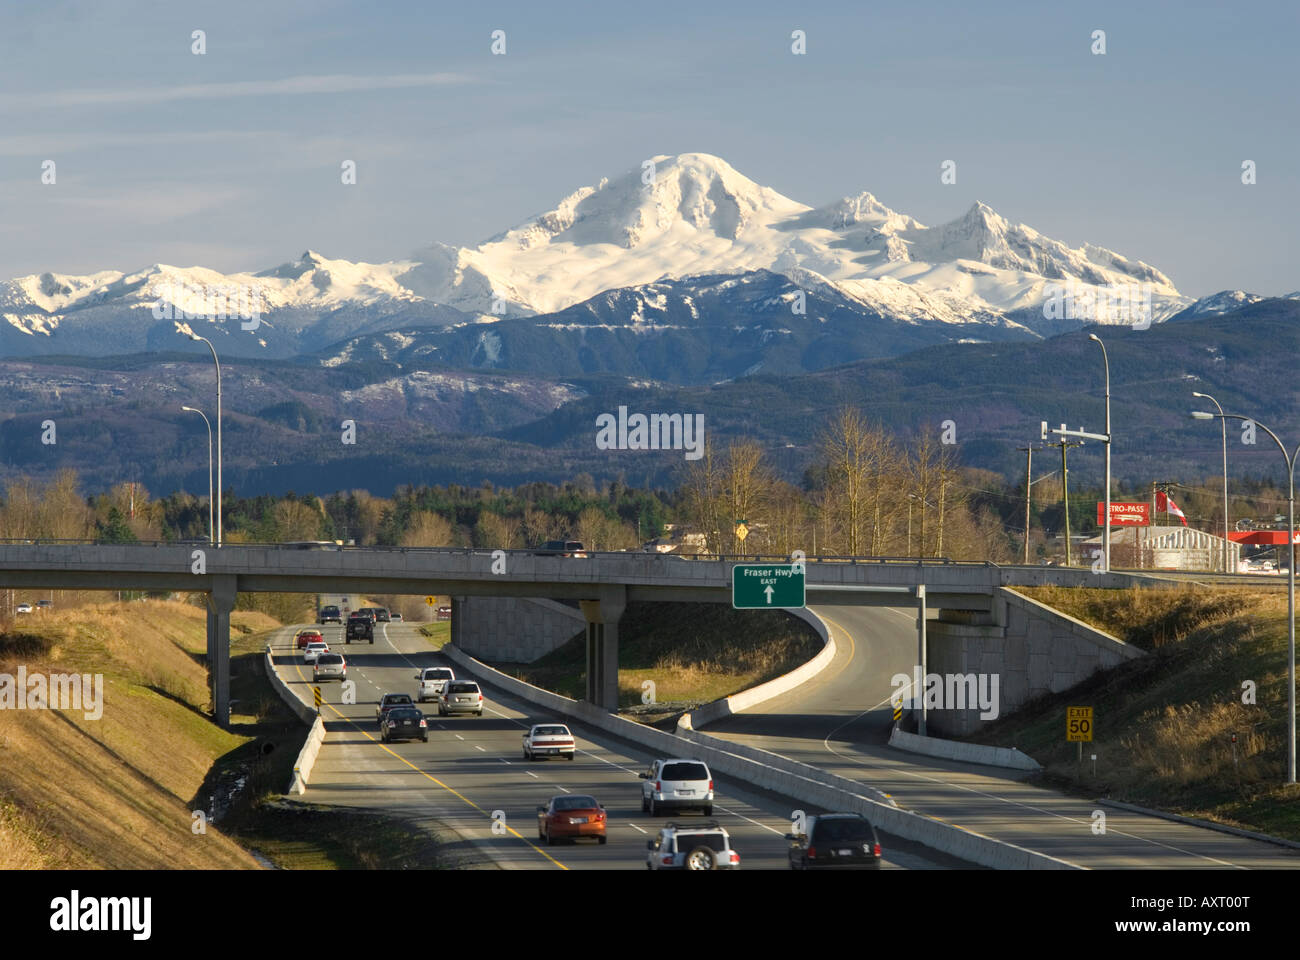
[675, 217]
[1223, 302]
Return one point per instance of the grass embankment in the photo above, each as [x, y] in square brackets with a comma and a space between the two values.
[118, 792]
[438, 634]
[693, 653]
[1164, 722]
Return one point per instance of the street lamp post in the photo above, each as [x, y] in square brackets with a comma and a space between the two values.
[1290, 579]
[1105, 528]
[209, 426]
[184, 328]
[1224, 424]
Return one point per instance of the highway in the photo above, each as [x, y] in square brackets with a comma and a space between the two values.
[840, 721]
[473, 766]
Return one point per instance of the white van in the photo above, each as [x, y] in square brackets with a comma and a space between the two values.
[433, 680]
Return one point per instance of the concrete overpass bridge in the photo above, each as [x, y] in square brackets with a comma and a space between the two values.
[963, 606]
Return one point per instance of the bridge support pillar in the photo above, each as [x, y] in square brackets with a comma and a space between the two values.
[603, 617]
[221, 601]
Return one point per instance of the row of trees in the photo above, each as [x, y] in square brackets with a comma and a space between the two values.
[867, 494]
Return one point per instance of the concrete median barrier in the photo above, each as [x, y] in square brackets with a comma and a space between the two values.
[801, 782]
[307, 714]
[965, 752]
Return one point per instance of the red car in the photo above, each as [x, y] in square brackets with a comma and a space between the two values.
[570, 816]
[309, 636]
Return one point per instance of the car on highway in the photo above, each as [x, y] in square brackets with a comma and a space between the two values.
[403, 723]
[395, 617]
[570, 816]
[840, 841]
[23, 608]
[433, 680]
[695, 846]
[444, 613]
[390, 700]
[561, 548]
[381, 615]
[549, 740]
[461, 696]
[359, 629]
[329, 614]
[314, 650]
[676, 785]
[366, 612]
[304, 637]
[330, 666]
[43, 605]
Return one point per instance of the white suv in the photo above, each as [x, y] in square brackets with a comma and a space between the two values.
[433, 680]
[676, 784]
[679, 846]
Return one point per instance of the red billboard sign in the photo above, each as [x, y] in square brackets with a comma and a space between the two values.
[1125, 514]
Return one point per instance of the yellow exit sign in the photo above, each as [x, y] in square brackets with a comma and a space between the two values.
[1078, 724]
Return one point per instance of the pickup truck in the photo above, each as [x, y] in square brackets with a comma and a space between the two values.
[433, 681]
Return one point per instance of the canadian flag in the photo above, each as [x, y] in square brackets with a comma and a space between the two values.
[1166, 503]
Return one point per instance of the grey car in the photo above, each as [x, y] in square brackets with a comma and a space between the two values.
[460, 696]
[330, 666]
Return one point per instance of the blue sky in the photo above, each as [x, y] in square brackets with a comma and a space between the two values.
[231, 160]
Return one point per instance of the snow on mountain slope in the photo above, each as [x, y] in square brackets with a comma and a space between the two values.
[677, 216]
[700, 216]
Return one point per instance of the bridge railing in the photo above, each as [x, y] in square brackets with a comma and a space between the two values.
[515, 552]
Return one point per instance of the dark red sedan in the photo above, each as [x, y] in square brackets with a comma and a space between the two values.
[570, 816]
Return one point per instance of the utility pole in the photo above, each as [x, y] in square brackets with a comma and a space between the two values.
[1065, 487]
[1029, 482]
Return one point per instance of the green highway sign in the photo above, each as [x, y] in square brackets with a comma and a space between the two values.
[767, 586]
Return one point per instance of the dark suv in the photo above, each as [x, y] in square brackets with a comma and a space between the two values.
[845, 841]
[330, 615]
[359, 629]
[561, 548]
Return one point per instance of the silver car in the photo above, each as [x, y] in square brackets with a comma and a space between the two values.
[461, 696]
[330, 666]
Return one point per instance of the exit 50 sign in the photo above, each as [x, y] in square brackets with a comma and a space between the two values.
[771, 586]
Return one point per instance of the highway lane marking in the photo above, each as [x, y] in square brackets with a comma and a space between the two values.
[533, 775]
[476, 746]
[459, 737]
[504, 760]
[565, 789]
[635, 827]
[428, 776]
[630, 771]
[901, 769]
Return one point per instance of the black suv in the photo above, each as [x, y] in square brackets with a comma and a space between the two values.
[382, 615]
[359, 629]
[330, 615]
[845, 841]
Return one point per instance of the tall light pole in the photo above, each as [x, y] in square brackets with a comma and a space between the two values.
[1105, 528]
[1224, 423]
[209, 425]
[1290, 579]
[185, 329]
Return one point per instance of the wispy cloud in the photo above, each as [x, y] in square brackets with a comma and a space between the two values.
[289, 86]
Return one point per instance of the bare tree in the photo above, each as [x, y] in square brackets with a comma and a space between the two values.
[495, 531]
[427, 529]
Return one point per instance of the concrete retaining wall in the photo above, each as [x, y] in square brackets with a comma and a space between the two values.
[513, 629]
[307, 714]
[1031, 648]
[789, 779]
[967, 752]
[725, 707]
